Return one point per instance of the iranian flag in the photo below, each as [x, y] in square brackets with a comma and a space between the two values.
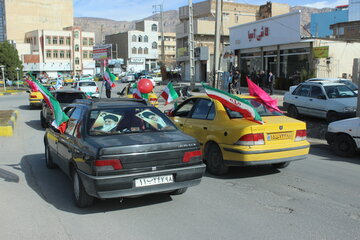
[109, 77]
[256, 91]
[60, 117]
[234, 103]
[137, 94]
[169, 93]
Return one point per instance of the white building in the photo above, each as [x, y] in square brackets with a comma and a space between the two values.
[138, 48]
[58, 52]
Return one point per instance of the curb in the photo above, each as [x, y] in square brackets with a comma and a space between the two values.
[15, 93]
[7, 122]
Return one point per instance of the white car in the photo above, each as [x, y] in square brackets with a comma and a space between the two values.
[344, 136]
[353, 86]
[88, 87]
[328, 100]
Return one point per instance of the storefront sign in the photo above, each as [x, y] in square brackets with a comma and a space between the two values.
[281, 29]
[136, 60]
[321, 52]
[102, 52]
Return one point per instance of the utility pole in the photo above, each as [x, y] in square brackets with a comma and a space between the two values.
[217, 43]
[356, 79]
[160, 7]
[191, 46]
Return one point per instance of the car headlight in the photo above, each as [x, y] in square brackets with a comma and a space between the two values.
[349, 109]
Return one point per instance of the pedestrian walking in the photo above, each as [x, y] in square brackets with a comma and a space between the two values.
[107, 89]
[262, 79]
[270, 82]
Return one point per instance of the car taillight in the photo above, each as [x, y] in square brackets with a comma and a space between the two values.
[33, 96]
[108, 164]
[188, 155]
[300, 135]
[97, 89]
[153, 99]
[251, 139]
[79, 89]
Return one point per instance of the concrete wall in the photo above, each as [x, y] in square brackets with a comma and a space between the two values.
[23, 16]
[121, 39]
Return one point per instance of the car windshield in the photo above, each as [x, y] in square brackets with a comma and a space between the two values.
[350, 84]
[261, 108]
[69, 97]
[87, 84]
[128, 120]
[339, 91]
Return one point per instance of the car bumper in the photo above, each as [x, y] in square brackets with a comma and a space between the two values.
[343, 115]
[242, 156]
[95, 95]
[124, 185]
[35, 102]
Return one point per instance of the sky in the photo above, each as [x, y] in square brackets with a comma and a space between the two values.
[128, 10]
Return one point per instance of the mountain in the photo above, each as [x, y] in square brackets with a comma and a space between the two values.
[103, 27]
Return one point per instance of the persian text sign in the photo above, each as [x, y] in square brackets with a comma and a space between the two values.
[321, 52]
[102, 52]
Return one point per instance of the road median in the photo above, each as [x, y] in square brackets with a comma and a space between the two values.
[7, 122]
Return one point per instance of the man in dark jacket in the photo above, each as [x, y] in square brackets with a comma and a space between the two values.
[108, 89]
[270, 83]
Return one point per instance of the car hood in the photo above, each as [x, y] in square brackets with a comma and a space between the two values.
[344, 125]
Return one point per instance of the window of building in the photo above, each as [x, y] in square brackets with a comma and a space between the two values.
[341, 31]
[91, 41]
[61, 40]
[133, 51]
[225, 17]
[68, 41]
[154, 45]
[85, 41]
[77, 60]
[140, 39]
[140, 51]
[146, 39]
[154, 27]
[76, 34]
[77, 48]
[48, 53]
[159, 38]
[133, 38]
[62, 54]
[85, 54]
[55, 54]
[146, 50]
[55, 40]
[48, 40]
[68, 54]
[90, 54]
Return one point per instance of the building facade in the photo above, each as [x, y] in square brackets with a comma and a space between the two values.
[2, 22]
[320, 22]
[346, 30]
[204, 30]
[59, 52]
[291, 58]
[138, 48]
[169, 49]
[354, 10]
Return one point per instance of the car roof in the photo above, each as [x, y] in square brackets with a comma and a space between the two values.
[66, 91]
[324, 83]
[112, 102]
[326, 79]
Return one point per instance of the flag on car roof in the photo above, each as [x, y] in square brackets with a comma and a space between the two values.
[137, 94]
[169, 93]
[256, 91]
[109, 77]
[60, 117]
[234, 103]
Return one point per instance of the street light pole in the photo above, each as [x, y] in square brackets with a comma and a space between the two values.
[3, 76]
[17, 74]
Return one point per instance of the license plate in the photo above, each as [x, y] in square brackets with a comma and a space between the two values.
[150, 181]
[279, 136]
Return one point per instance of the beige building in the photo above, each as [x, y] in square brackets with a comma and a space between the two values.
[169, 48]
[69, 51]
[204, 30]
[22, 16]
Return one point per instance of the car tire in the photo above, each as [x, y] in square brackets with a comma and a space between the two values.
[280, 165]
[81, 197]
[42, 120]
[214, 160]
[331, 116]
[178, 191]
[344, 146]
[292, 111]
[48, 159]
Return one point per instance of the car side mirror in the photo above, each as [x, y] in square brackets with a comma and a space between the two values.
[321, 97]
[169, 113]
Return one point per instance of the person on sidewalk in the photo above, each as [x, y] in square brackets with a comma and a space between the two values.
[270, 83]
[107, 89]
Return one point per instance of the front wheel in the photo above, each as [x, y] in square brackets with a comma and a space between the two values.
[81, 197]
[42, 120]
[214, 160]
[344, 146]
[293, 112]
[48, 159]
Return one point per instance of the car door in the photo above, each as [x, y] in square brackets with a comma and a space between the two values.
[182, 112]
[301, 98]
[200, 120]
[317, 102]
[67, 139]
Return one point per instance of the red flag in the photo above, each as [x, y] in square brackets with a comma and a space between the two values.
[256, 91]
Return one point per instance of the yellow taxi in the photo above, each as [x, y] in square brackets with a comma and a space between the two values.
[127, 92]
[36, 98]
[68, 80]
[227, 139]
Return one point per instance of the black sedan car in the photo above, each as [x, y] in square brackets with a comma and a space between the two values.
[115, 148]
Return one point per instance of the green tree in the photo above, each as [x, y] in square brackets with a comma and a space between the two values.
[9, 57]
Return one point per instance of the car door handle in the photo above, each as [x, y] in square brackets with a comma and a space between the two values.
[310, 99]
[205, 128]
[296, 97]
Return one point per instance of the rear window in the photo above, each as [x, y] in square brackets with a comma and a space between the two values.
[87, 84]
[69, 97]
[127, 120]
[339, 91]
[263, 110]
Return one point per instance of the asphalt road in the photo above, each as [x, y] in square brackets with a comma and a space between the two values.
[317, 198]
